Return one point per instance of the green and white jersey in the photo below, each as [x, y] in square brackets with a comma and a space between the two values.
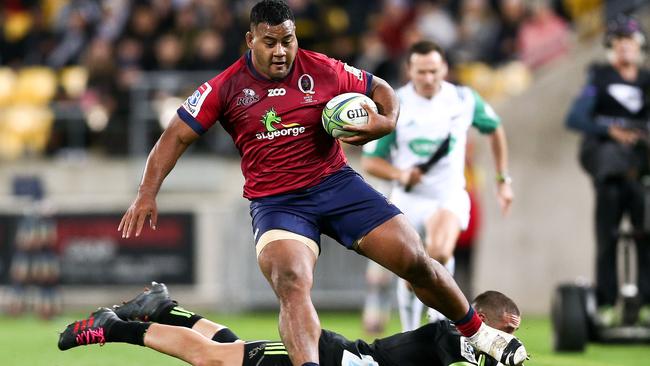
[424, 124]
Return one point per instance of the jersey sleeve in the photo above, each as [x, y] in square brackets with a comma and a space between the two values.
[380, 148]
[485, 118]
[202, 109]
[352, 79]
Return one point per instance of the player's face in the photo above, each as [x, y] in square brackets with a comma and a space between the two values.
[427, 72]
[273, 48]
[627, 50]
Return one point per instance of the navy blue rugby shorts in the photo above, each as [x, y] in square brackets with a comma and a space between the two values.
[342, 206]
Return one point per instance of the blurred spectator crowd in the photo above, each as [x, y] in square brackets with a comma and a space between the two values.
[68, 67]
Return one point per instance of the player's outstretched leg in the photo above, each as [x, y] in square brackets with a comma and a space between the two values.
[100, 327]
[103, 326]
[504, 347]
[156, 305]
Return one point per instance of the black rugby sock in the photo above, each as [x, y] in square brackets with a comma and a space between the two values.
[126, 332]
[172, 314]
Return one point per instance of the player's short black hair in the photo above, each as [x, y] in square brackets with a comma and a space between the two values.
[272, 12]
[494, 304]
[423, 48]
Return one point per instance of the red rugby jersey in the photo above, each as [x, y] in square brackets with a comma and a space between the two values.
[276, 125]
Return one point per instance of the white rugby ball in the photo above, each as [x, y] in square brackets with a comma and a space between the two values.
[345, 109]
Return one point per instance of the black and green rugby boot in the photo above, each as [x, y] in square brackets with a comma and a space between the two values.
[92, 330]
[146, 304]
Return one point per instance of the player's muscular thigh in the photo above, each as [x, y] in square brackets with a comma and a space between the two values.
[395, 245]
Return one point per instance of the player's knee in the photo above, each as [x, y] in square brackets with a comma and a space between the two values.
[420, 270]
[291, 280]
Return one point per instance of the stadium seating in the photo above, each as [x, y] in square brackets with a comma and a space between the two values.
[35, 86]
[73, 80]
[7, 82]
[26, 97]
[24, 130]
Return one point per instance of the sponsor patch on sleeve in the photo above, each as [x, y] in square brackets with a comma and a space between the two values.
[193, 104]
[354, 71]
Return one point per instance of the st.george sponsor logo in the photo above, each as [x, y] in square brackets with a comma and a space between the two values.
[272, 121]
[270, 135]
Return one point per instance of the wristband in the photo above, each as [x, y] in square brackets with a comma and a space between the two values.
[504, 178]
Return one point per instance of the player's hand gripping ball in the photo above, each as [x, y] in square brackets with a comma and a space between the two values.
[345, 109]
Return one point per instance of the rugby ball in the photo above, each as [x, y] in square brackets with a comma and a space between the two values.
[345, 109]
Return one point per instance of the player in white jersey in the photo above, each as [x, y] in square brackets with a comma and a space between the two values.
[425, 158]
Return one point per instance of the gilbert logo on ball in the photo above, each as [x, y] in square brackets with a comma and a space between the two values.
[345, 109]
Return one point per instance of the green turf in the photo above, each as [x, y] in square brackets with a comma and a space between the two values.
[31, 342]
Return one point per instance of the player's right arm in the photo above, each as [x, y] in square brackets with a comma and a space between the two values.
[162, 158]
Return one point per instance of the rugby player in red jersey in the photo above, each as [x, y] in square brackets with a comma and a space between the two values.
[299, 183]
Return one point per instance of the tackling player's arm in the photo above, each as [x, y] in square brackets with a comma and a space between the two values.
[379, 124]
[162, 158]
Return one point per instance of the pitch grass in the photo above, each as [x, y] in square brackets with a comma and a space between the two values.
[30, 342]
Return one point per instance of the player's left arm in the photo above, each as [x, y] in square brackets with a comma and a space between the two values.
[488, 122]
[381, 123]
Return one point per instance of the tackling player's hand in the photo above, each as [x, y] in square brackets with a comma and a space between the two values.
[133, 220]
[378, 125]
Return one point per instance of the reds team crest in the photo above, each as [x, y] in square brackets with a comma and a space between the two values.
[306, 85]
[249, 97]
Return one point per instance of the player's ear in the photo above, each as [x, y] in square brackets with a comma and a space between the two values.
[249, 39]
[482, 317]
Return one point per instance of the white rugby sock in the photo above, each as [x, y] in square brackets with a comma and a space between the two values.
[404, 304]
[417, 307]
[409, 306]
[451, 265]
